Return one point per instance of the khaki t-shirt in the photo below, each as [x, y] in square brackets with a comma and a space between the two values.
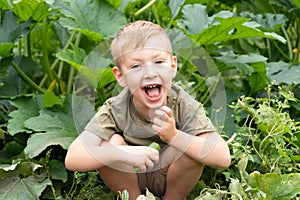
[118, 115]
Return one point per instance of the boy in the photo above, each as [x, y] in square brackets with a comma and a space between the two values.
[150, 108]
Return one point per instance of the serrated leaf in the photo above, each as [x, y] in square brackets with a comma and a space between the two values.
[220, 27]
[15, 188]
[50, 99]
[281, 72]
[175, 7]
[27, 107]
[40, 141]
[92, 18]
[10, 29]
[6, 49]
[74, 57]
[194, 18]
[268, 21]
[35, 9]
[233, 28]
[275, 186]
[57, 170]
[55, 127]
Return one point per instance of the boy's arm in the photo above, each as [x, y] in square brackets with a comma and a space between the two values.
[90, 152]
[207, 148]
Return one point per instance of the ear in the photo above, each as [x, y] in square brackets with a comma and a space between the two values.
[174, 65]
[119, 76]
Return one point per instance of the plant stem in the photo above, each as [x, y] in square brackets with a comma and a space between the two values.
[27, 45]
[72, 70]
[57, 60]
[46, 63]
[280, 51]
[27, 79]
[288, 43]
[143, 9]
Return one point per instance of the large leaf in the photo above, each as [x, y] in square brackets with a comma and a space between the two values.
[57, 170]
[27, 107]
[15, 188]
[96, 19]
[35, 9]
[11, 31]
[275, 186]
[194, 18]
[53, 128]
[281, 72]
[268, 21]
[219, 27]
[175, 6]
[56, 127]
[90, 67]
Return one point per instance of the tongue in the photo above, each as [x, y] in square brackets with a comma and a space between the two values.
[152, 92]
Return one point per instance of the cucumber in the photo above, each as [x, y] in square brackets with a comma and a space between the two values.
[155, 145]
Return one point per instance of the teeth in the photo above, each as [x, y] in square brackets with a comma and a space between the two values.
[151, 86]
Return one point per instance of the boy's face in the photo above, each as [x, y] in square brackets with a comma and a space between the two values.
[148, 73]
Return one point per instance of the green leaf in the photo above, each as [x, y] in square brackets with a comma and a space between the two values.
[57, 126]
[91, 67]
[258, 80]
[115, 3]
[50, 99]
[6, 49]
[233, 28]
[57, 170]
[296, 2]
[175, 7]
[92, 18]
[35, 9]
[15, 188]
[275, 186]
[53, 128]
[74, 57]
[194, 18]
[219, 27]
[27, 107]
[281, 72]
[10, 29]
[268, 21]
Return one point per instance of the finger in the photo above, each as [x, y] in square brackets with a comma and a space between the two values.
[149, 163]
[167, 110]
[154, 157]
[158, 122]
[160, 114]
[156, 128]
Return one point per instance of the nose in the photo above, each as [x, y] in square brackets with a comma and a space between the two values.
[149, 71]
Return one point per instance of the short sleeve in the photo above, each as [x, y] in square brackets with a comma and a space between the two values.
[102, 124]
[191, 115]
[194, 120]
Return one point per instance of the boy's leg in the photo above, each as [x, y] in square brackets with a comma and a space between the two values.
[182, 176]
[118, 180]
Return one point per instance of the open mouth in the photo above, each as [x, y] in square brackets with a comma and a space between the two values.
[153, 92]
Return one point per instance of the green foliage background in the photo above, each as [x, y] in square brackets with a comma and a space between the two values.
[54, 75]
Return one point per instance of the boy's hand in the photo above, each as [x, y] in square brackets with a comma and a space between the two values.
[140, 157]
[164, 124]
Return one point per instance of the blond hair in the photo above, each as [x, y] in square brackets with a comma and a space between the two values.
[134, 36]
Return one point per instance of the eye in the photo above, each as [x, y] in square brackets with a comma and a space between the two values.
[136, 66]
[159, 62]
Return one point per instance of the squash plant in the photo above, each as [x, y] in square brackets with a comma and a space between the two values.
[55, 71]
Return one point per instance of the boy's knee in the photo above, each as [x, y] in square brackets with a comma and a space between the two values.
[117, 139]
[188, 163]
